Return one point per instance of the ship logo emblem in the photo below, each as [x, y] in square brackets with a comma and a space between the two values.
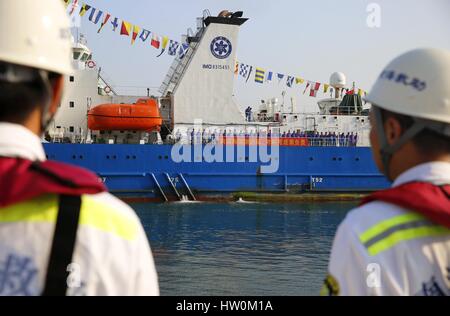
[221, 47]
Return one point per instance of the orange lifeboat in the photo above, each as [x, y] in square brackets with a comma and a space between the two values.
[142, 116]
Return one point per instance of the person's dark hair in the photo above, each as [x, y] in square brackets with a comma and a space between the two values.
[18, 100]
[427, 141]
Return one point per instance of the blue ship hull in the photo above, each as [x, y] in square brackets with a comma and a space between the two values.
[147, 171]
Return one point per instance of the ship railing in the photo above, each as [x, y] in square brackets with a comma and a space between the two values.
[249, 140]
[136, 91]
[334, 141]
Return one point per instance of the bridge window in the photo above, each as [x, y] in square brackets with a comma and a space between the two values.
[71, 104]
[72, 78]
[72, 129]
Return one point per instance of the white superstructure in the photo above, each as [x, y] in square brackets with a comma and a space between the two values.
[197, 95]
[84, 89]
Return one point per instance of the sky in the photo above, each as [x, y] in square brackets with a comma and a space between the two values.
[308, 39]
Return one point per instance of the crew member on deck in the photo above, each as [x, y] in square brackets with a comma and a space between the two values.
[397, 242]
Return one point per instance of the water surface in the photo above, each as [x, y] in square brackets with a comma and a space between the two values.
[241, 249]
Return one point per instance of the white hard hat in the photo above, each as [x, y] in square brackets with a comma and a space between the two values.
[35, 34]
[416, 84]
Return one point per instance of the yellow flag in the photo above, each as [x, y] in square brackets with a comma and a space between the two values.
[325, 87]
[165, 41]
[136, 30]
[299, 80]
[360, 92]
[67, 2]
[84, 8]
[126, 28]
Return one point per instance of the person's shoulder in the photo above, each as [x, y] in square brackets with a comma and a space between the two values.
[113, 203]
[368, 215]
[110, 214]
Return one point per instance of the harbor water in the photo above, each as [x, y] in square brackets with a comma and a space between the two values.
[241, 248]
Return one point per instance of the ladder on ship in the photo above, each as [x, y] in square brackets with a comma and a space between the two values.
[179, 66]
[188, 195]
[159, 187]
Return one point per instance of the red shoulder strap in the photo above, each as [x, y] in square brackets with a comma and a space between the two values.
[430, 200]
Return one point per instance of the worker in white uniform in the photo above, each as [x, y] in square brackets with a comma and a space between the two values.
[397, 242]
[61, 233]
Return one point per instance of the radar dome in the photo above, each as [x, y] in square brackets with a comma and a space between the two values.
[338, 80]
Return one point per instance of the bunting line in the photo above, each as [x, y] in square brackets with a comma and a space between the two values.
[175, 48]
[96, 15]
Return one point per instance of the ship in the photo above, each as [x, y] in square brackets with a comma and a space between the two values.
[194, 142]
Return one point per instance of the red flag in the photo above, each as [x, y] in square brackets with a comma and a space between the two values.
[104, 22]
[314, 88]
[155, 41]
[74, 6]
[136, 30]
[307, 85]
[126, 28]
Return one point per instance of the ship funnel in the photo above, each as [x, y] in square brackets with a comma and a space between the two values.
[201, 84]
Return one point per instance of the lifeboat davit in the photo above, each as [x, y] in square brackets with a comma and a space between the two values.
[141, 116]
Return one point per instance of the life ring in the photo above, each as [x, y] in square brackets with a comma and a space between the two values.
[107, 89]
[90, 64]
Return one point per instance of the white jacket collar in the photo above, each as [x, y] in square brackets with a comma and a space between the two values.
[19, 142]
[434, 172]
